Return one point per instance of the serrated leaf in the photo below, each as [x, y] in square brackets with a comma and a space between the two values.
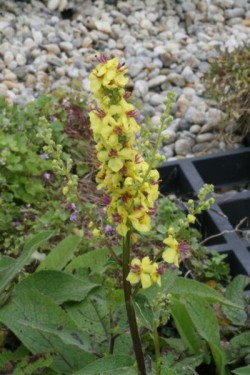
[234, 293]
[41, 325]
[24, 259]
[242, 370]
[61, 254]
[241, 344]
[107, 365]
[57, 285]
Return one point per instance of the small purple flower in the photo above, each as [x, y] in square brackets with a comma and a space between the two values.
[109, 229]
[71, 207]
[106, 200]
[74, 217]
[184, 248]
[15, 224]
[46, 176]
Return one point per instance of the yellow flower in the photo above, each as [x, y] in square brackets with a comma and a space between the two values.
[171, 254]
[156, 274]
[191, 218]
[115, 158]
[140, 271]
[140, 220]
[96, 232]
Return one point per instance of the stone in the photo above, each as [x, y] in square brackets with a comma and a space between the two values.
[135, 68]
[195, 129]
[140, 88]
[3, 89]
[53, 4]
[103, 26]
[194, 116]
[66, 46]
[206, 137]
[188, 75]
[183, 146]
[235, 12]
[214, 117]
[8, 57]
[20, 59]
[176, 79]
[157, 81]
[168, 151]
[181, 106]
[156, 99]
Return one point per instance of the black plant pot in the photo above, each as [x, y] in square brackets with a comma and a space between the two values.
[229, 172]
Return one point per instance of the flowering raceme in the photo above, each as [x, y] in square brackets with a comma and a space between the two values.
[129, 183]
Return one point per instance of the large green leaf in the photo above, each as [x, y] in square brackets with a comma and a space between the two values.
[185, 326]
[41, 325]
[24, 259]
[61, 254]
[57, 285]
[93, 316]
[110, 365]
[242, 370]
[187, 287]
[94, 260]
[234, 293]
[240, 344]
[207, 326]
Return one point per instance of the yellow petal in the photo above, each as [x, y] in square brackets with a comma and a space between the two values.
[171, 256]
[133, 278]
[115, 164]
[146, 281]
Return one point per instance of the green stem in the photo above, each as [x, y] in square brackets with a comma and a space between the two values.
[130, 309]
[157, 350]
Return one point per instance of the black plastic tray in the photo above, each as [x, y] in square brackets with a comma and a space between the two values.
[229, 172]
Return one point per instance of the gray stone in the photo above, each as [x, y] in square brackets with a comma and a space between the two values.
[135, 68]
[156, 81]
[184, 146]
[176, 79]
[156, 99]
[214, 117]
[206, 137]
[194, 116]
[168, 151]
[235, 12]
[195, 129]
[188, 75]
[140, 88]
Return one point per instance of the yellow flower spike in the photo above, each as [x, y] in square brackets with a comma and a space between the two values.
[191, 218]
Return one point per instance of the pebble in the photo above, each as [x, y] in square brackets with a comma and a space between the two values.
[166, 45]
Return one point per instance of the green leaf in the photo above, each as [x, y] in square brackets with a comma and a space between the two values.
[57, 285]
[107, 366]
[95, 260]
[23, 260]
[185, 326]
[207, 326]
[240, 345]
[168, 281]
[61, 254]
[29, 364]
[92, 316]
[234, 293]
[187, 287]
[242, 370]
[187, 365]
[144, 311]
[41, 325]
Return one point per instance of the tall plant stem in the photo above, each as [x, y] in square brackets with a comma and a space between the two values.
[130, 309]
[157, 350]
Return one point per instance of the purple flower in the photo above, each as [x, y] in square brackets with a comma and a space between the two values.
[71, 207]
[109, 229]
[74, 217]
[46, 176]
[15, 224]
